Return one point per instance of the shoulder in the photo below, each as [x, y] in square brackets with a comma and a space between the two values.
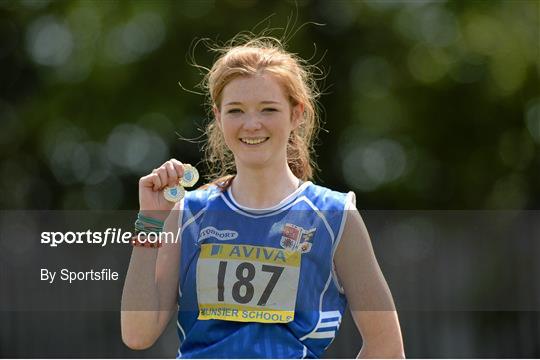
[329, 199]
[195, 200]
[202, 195]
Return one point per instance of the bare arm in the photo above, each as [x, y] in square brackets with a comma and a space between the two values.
[367, 292]
[151, 285]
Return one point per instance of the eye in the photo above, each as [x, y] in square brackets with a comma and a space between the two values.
[234, 111]
[270, 109]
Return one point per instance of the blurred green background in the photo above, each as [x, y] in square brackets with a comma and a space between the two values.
[427, 105]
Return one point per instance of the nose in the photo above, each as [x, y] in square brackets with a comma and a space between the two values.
[252, 123]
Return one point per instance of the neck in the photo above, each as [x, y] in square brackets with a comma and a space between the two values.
[263, 188]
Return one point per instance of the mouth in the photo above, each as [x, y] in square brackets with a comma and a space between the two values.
[254, 141]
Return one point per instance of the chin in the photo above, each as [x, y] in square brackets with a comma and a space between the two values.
[256, 162]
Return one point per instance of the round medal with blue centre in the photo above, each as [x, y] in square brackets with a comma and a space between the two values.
[190, 177]
[174, 193]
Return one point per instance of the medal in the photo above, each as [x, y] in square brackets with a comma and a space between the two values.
[190, 177]
[174, 193]
[177, 192]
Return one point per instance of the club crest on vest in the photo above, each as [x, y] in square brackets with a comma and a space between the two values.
[295, 238]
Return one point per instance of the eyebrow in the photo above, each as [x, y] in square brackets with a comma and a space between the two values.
[262, 102]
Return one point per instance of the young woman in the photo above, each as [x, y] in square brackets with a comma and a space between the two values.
[267, 260]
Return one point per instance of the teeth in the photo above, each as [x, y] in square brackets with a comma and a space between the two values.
[253, 141]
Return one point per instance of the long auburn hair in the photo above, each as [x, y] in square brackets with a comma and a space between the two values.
[247, 56]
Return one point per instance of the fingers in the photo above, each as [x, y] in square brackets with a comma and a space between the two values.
[171, 173]
[152, 180]
[179, 167]
[168, 174]
[161, 172]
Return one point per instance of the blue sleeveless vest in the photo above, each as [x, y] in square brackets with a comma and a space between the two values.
[260, 283]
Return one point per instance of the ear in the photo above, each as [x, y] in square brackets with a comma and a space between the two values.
[297, 115]
[217, 115]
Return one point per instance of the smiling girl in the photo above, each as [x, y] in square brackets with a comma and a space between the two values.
[267, 260]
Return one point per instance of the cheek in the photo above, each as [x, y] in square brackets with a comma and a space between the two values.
[228, 131]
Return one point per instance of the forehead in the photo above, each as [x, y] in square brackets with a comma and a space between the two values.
[263, 87]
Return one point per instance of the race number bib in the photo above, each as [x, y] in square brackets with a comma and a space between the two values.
[247, 283]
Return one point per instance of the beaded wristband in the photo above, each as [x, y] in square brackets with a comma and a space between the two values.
[141, 240]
